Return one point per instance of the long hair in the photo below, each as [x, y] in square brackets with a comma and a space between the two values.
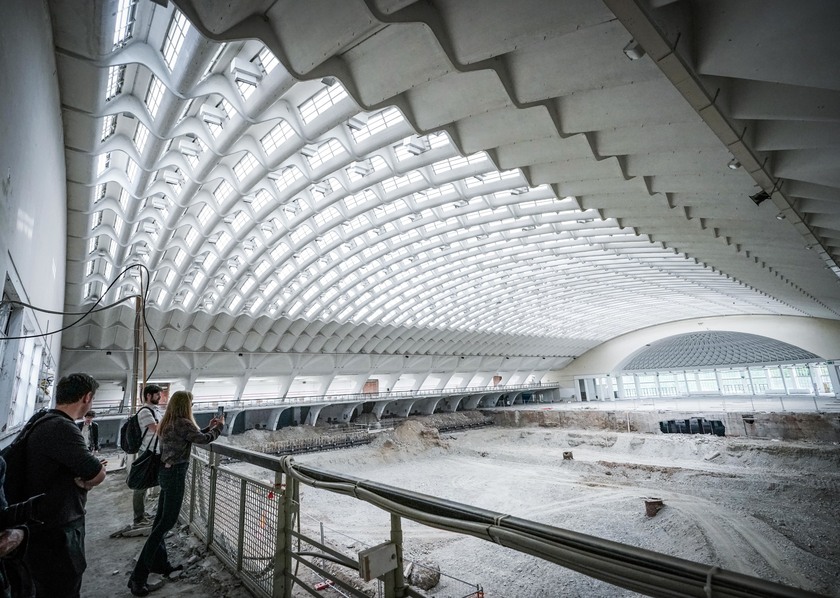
[179, 406]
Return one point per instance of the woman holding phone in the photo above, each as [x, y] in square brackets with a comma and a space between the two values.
[178, 432]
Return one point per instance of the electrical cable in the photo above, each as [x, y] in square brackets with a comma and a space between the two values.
[67, 313]
[86, 314]
[95, 309]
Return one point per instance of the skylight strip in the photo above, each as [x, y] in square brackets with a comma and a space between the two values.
[109, 126]
[141, 136]
[245, 166]
[124, 26]
[277, 136]
[321, 102]
[326, 152]
[116, 76]
[154, 96]
[175, 36]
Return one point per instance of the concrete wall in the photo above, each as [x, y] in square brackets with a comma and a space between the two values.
[819, 427]
[33, 206]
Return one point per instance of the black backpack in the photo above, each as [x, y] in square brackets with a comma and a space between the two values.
[131, 435]
[14, 486]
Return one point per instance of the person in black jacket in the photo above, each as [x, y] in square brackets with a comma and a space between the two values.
[90, 431]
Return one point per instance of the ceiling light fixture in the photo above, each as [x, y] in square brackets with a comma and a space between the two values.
[760, 197]
[633, 50]
[780, 216]
[734, 164]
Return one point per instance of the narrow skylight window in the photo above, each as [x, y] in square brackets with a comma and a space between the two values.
[116, 76]
[109, 126]
[223, 241]
[191, 236]
[131, 170]
[261, 199]
[205, 214]
[327, 215]
[458, 162]
[96, 220]
[281, 133]
[154, 95]
[245, 166]
[326, 152]
[179, 257]
[240, 220]
[223, 192]
[285, 178]
[267, 60]
[376, 123]
[245, 88]
[103, 161]
[175, 37]
[124, 26]
[322, 101]
[215, 60]
[141, 136]
[398, 182]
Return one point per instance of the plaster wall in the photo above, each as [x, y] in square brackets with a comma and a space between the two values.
[33, 219]
[817, 335]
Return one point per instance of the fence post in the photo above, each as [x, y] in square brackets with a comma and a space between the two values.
[194, 467]
[282, 586]
[397, 541]
[240, 541]
[211, 507]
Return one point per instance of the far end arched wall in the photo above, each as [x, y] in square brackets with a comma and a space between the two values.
[817, 335]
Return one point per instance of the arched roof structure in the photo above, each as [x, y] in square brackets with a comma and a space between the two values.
[522, 179]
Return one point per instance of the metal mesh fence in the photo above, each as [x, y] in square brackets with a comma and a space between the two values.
[241, 515]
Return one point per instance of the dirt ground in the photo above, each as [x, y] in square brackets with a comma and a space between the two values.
[760, 507]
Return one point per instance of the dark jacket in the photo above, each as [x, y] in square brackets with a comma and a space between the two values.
[94, 435]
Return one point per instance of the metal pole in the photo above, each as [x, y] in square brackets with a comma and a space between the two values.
[397, 541]
[240, 540]
[211, 507]
[282, 586]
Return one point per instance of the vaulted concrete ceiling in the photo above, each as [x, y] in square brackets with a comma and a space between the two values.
[480, 177]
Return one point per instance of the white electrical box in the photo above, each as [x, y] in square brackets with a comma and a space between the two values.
[377, 561]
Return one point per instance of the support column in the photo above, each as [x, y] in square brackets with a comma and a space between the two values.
[784, 382]
[620, 381]
[834, 377]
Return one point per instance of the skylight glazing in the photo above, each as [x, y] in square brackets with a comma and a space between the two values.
[124, 25]
[362, 220]
[175, 36]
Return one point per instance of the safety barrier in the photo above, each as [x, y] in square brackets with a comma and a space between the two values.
[254, 527]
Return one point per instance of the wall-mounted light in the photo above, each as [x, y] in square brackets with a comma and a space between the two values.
[760, 197]
[733, 164]
[633, 50]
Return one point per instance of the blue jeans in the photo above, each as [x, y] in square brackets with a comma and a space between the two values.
[153, 558]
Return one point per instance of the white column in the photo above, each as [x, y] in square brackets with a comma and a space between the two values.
[834, 377]
[784, 382]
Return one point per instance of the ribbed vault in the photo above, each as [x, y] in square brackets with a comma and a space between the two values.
[484, 178]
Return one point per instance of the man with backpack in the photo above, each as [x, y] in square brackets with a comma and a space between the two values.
[56, 462]
[148, 417]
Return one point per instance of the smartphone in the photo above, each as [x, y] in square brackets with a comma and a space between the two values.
[220, 412]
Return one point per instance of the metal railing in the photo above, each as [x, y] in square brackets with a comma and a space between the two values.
[254, 527]
[210, 402]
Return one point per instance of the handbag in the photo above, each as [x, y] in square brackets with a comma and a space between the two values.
[144, 470]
